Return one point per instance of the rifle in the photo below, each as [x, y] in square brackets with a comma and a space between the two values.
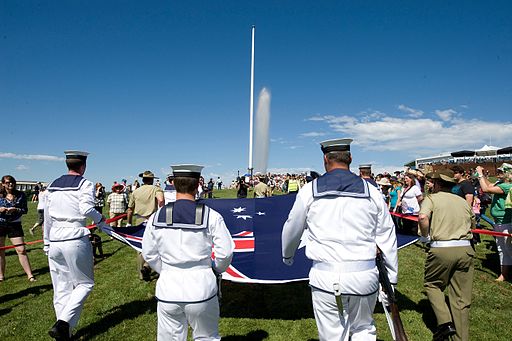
[397, 328]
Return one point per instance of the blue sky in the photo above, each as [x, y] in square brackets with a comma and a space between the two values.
[146, 84]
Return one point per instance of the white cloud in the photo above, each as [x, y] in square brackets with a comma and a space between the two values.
[446, 114]
[312, 134]
[297, 170]
[316, 118]
[21, 167]
[423, 136]
[410, 111]
[293, 147]
[279, 140]
[36, 157]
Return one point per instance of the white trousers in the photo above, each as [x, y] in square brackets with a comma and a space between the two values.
[174, 318]
[356, 324]
[71, 268]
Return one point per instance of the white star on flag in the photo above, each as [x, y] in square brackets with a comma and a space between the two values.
[244, 217]
[238, 209]
[260, 213]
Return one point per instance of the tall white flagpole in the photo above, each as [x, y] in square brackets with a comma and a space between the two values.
[251, 110]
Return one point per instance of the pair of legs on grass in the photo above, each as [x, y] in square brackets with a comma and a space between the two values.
[22, 256]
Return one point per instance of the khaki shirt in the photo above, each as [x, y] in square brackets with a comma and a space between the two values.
[451, 218]
[260, 190]
[143, 202]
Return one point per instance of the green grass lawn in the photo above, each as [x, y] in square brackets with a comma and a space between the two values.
[121, 307]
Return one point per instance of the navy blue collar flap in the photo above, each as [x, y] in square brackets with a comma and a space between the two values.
[342, 183]
[182, 215]
[67, 183]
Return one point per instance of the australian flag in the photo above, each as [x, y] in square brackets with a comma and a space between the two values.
[255, 225]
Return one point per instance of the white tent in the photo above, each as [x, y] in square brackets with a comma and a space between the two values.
[487, 151]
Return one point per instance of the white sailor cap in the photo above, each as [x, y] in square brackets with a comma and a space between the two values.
[188, 171]
[365, 166]
[76, 155]
[336, 145]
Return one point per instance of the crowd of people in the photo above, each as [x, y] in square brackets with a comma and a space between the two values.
[441, 207]
[495, 159]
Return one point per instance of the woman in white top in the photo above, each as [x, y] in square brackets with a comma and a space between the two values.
[409, 202]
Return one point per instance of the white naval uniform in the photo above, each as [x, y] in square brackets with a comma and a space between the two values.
[346, 220]
[180, 250]
[69, 202]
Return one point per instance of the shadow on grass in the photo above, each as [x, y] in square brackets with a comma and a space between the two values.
[33, 290]
[255, 335]
[286, 302]
[115, 316]
[106, 255]
[5, 311]
[423, 308]
[36, 272]
[427, 314]
[491, 262]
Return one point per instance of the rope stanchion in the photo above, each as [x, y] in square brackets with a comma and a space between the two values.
[108, 221]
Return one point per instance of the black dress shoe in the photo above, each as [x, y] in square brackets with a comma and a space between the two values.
[444, 331]
[60, 331]
[146, 273]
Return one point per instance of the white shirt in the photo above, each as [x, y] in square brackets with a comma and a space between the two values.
[410, 203]
[66, 212]
[42, 199]
[182, 256]
[341, 230]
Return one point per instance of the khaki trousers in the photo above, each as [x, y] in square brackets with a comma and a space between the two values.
[452, 268]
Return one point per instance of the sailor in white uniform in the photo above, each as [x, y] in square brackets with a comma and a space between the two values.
[346, 220]
[69, 202]
[365, 172]
[178, 243]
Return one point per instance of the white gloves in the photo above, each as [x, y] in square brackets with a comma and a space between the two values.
[128, 225]
[383, 297]
[288, 261]
[46, 249]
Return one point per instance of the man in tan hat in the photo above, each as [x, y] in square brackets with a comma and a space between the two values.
[261, 190]
[446, 219]
[144, 201]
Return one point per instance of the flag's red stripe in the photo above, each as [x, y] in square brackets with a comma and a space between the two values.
[243, 234]
[232, 273]
[244, 243]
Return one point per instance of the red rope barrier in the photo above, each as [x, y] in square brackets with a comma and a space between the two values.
[492, 233]
[405, 216]
[479, 231]
[108, 221]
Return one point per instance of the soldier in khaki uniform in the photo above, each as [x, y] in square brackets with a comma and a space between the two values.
[144, 201]
[446, 219]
